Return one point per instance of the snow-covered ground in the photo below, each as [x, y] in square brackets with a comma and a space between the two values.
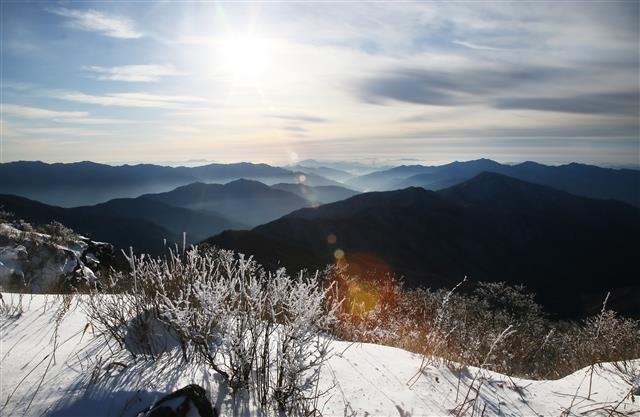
[66, 370]
[40, 262]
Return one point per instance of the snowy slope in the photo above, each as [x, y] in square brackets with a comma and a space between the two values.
[80, 377]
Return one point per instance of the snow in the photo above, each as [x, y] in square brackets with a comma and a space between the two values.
[10, 261]
[68, 371]
[39, 261]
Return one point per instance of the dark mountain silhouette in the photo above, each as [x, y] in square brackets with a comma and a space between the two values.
[122, 232]
[320, 194]
[579, 179]
[244, 201]
[196, 224]
[570, 250]
[84, 183]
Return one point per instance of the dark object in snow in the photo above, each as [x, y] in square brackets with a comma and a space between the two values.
[181, 402]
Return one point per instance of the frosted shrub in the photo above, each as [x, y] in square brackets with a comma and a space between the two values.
[300, 349]
[5, 216]
[603, 338]
[127, 314]
[461, 326]
[263, 333]
[59, 232]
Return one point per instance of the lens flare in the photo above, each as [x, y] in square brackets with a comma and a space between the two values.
[366, 283]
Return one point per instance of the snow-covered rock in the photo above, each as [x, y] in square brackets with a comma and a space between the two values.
[42, 262]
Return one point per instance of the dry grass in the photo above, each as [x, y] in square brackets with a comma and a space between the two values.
[454, 327]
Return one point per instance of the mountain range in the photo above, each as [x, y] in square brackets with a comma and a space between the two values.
[326, 172]
[570, 250]
[85, 183]
[199, 210]
[579, 179]
[245, 201]
[320, 194]
[123, 232]
[557, 229]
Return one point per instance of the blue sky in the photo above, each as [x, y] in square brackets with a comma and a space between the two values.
[273, 82]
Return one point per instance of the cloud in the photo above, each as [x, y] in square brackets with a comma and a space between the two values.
[184, 129]
[133, 73]
[79, 117]
[299, 118]
[604, 103]
[476, 46]
[130, 99]
[61, 131]
[40, 113]
[295, 129]
[95, 21]
[16, 86]
[548, 89]
[449, 88]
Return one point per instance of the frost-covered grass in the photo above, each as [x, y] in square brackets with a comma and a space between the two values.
[70, 369]
[469, 328]
[265, 335]
[277, 344]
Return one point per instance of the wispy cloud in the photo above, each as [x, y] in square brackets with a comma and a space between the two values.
[40, 113]
[61, 131]
[476, 46]
[131, 99]
[295, 129]
[522, 87]
[623, 103]
[299, 118]
[182, 129]
[455, 86]
[96, 21]
[133, 73]
[78, 117]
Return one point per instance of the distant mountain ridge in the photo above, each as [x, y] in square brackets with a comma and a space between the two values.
[85, 183]
[244, 201]
[195, 223]
[331, 173]
[320, 194]
[197, 209]
[578, 179]
[570, 250]
[122, 232]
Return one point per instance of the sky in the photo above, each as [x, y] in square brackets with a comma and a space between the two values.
[275, 82]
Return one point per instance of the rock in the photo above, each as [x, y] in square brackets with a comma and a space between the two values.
[190, 401]
[39, 262]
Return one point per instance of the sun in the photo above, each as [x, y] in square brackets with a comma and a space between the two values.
[246, 58]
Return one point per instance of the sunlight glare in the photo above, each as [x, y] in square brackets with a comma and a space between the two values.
[246, 58]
